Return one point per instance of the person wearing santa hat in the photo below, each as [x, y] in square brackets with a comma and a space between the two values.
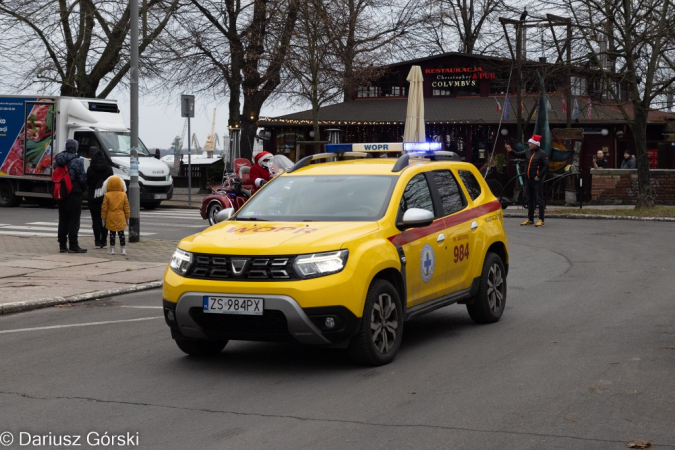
[260, 172]
[537, 166]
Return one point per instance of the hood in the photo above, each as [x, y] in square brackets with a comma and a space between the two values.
[152, 167]
[275, 238]
[114, 183]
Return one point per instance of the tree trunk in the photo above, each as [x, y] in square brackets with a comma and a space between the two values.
[639, 129]
[248, 131]
[315, 127]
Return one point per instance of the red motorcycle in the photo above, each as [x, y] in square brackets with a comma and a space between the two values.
[236, 188]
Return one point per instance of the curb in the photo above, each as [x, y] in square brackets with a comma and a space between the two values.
[596, 217]
[46, 302]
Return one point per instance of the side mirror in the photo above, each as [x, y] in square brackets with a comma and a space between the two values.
[416, 218]
[157, 153]
[505, 202]
[225, 214]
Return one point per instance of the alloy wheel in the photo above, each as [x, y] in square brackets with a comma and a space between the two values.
[495, 291]
[384, 323]
[213, 212]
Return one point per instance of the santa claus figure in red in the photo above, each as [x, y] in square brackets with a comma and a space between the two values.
[261, 171]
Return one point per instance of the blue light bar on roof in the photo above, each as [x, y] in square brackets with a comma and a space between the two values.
[338, 148]
[421, 146]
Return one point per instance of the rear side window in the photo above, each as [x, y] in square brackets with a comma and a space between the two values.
[448, 189]
[417, 195]
[472, 185]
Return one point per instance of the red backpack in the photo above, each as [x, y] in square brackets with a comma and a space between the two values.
[63, 185]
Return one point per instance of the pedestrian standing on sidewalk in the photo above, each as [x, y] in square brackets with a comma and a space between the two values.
[70, 209]
[115, 210]
[537, 166]
[99, 170]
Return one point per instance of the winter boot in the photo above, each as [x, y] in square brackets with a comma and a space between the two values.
[111, 250]
[124, 249]
[76, 249]
[63, 248]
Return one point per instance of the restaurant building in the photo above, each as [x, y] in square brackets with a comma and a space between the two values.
[470, 106]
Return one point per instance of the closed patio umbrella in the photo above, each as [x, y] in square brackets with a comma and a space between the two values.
[414, 120]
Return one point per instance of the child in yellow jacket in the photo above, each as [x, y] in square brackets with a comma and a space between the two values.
[115, 210]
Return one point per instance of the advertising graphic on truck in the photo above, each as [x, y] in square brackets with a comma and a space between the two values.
[33, 128]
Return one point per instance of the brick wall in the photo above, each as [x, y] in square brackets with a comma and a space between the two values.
[620, 186]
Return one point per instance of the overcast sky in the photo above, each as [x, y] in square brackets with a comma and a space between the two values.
[159, 123]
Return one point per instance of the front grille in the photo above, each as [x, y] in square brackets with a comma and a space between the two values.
[157, 189]
[148, 178]
[270, 324]
[242, 268]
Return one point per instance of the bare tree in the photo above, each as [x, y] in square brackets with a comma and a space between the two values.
[313, 70]
[467, 26]
[80, 46]
[364, 29]
[257, 34]
[632, 45]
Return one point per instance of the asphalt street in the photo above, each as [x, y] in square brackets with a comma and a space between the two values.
[161, 223]
[583, 358]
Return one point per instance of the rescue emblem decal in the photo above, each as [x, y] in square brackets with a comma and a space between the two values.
[427, 263]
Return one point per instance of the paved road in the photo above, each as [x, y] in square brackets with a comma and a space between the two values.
[583, 358]
[161, 223]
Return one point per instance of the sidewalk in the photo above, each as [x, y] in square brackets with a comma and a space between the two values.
[33, 274]
[574, 212]
[180, 199]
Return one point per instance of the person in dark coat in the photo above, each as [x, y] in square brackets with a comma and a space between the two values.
[99, 170]
[628, 161]
[537, 167]
[70, 209]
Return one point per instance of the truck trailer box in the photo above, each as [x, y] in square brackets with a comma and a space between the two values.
[33, 129]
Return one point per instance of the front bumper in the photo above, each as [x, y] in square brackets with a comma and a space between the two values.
[283, 319]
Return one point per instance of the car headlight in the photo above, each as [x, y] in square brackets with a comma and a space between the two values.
[320, 264]
[180, 261]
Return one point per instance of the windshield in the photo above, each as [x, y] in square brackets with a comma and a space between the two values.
[118, 143]
[324, 198]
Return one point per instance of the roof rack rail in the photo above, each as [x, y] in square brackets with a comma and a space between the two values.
[436, 155]
[307, 160]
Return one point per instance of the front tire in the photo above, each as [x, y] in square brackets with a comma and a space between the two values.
[151, 205]
[7, 196]
[201, 347]
[212, 212]
[379, 336]
[488, 305]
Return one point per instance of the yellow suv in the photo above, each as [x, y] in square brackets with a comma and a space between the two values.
[340, 251]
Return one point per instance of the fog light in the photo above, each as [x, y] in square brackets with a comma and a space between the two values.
[171, 316]
[330, 322]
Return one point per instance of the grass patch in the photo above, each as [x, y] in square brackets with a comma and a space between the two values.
[657, 211]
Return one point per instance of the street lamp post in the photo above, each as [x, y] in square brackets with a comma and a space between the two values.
[134, 188]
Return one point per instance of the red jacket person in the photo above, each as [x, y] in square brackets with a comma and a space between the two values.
[260, 172]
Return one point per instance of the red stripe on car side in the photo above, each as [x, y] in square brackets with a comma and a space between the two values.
[418, 233]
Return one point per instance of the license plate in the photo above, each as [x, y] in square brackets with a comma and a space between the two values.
[160, 196]
[233, 305]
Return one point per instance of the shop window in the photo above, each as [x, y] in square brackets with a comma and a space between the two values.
[368, 91]
[578, 86]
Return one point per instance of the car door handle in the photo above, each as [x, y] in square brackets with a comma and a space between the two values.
[441, 238]
[474, 225]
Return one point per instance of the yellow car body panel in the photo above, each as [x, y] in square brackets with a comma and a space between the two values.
[454, 246]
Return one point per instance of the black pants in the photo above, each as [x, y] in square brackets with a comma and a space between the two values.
[70, 210]
[535, 196]
[100, 232]
[112, 238]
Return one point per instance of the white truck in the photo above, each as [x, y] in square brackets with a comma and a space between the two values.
[33, 129]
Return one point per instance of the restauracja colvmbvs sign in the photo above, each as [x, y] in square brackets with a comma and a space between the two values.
[458, 77]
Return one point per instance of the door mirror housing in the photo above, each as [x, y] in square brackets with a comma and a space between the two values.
[416, 218]
[224, 215]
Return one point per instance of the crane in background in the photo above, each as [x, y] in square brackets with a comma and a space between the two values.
[195, 144]
[211, 139]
